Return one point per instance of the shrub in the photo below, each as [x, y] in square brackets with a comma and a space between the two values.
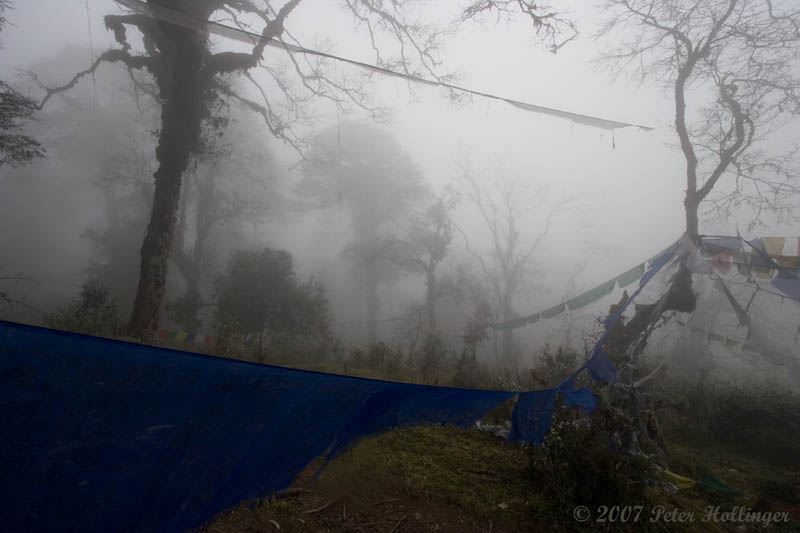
[94, 311]
[551, 367]
[260, 298]
[579, 464]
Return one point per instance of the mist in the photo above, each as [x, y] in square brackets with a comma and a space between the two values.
[611, 197]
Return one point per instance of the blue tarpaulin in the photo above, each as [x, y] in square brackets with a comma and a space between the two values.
[533, 415]
[102, 435]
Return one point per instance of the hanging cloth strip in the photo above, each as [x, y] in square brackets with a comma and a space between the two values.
[173, 16]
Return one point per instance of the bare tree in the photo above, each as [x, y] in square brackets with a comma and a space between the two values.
[736, 63]
[9, 300]
[364, 169]
[732, 66]
[223, 186]
[425, 246]
[555, 28]
[191, 78]
[732, 69]
[503, 207]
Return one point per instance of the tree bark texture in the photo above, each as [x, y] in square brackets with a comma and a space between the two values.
[181, 88]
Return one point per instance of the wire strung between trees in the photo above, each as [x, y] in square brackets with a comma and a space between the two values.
[181, 19]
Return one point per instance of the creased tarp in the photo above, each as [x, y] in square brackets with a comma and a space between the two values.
[101, 435]
[583, 398]
[600, 367]
[533, 415]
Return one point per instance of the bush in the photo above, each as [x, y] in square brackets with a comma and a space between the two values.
[469, 373]
[744, 412]
[381, 360]
[259, 297]
[553, 367]
[579, 464]
[94, 312]
[433, 358]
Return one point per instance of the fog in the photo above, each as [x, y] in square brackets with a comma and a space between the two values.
[614, 197]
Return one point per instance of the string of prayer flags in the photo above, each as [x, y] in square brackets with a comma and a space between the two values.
[595, 294]
[707, 481]
[730, 342]
[553, 311]
[631, 276]
[185, 337]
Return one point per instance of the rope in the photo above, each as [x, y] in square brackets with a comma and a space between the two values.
[176, 17]
[91, 57]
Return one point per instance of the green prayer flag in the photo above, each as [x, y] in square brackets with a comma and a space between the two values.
[714, 483]
[714, 337]
[591, 296]
[626, 278]
[533, 318]
[516, 323]
[553, 311]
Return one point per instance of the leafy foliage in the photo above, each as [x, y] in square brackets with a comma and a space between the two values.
[260, 294]
[553, 366]
[16, 148]
[579, 465]
[95, 311]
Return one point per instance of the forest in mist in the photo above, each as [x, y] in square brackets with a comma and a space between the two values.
[288, 236]
[325, 210]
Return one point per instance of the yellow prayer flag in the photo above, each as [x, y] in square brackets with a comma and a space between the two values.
[681, 482]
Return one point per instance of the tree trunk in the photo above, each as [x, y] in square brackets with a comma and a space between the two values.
[182, 87]
[372, 304]
[692, 223]
[508, 354]
[192, 300]
[430, 301]
[508, 349]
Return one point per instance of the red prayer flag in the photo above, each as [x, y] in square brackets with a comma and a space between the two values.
[722, 261]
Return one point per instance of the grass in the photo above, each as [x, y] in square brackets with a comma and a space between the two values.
[425, 478]
[444, 479]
